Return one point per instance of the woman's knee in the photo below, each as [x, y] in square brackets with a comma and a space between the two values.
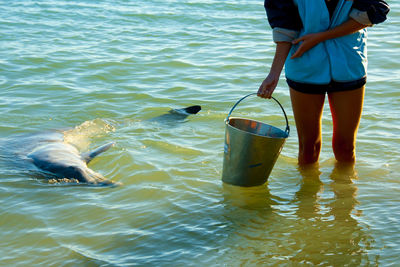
[344, 148]
[309, 151]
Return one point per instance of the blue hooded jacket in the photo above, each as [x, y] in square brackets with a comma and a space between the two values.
[341, 59]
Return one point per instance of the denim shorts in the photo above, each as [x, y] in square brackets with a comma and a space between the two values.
[333, 86]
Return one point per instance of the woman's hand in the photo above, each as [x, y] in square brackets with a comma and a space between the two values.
[308, 42]
[268, 85]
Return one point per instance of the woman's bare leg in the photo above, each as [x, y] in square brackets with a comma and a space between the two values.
[346, 108]
[307, 109]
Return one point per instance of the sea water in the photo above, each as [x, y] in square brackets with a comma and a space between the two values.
[99, 70]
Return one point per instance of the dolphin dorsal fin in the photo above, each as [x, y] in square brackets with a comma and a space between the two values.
[186, 111]
[88, 156]
[192, 109]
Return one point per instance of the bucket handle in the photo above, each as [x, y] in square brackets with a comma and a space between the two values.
[240, 100]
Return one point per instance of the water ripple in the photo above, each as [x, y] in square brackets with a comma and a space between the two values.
[101, 71]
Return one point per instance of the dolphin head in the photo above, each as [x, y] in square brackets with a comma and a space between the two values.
[86, 175]
[64, 161]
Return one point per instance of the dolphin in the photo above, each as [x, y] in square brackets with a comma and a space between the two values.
[175, 115]
[64, 161]
[53, 157]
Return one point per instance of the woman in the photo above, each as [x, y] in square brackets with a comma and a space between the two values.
[322, 44]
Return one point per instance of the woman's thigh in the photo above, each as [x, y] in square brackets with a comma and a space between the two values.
[346, 108]
[307, 110]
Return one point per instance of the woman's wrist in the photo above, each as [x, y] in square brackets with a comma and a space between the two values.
[348, 27]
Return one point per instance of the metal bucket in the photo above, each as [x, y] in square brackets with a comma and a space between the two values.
[251, 149]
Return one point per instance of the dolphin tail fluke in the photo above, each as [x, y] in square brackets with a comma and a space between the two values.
[87, 157]
[192, 109]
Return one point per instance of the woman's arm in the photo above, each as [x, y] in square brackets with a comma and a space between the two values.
[269, 84]
[285, 21]
[311, 40]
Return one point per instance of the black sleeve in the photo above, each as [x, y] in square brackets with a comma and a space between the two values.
[283, 14]
[377, 10]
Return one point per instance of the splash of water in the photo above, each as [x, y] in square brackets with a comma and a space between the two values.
[80, 136]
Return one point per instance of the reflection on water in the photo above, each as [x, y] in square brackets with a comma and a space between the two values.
[312, 228]
[252, 198]
[338, 237]
[124, 62]
[307, 198]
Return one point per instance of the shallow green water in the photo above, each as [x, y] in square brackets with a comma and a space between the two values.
[100, 70]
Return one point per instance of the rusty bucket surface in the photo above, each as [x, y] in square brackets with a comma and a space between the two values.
[251, 149]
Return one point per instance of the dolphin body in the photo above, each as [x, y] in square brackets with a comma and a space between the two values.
[64, 161]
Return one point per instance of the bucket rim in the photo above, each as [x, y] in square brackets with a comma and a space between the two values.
[287, 131]
[227, 124]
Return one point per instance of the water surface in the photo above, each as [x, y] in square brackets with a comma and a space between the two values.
[100, 70]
